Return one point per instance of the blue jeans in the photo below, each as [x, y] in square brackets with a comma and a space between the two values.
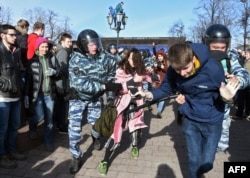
[160, 106]
[201, 140]
[43, 110]
[9, 125]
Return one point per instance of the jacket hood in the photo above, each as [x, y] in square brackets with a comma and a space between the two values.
[201, 51]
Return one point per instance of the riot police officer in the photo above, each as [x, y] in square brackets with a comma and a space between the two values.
[90, 74]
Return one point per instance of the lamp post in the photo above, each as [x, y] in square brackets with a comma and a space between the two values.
[120, 21]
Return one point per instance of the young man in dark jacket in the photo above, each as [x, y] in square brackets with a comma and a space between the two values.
[63, 53]
[10, 93]
[197, 78]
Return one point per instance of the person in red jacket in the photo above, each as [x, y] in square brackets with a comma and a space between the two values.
[160, 68]
[38, 30]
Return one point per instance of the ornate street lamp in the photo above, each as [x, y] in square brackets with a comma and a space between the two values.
[120, 21]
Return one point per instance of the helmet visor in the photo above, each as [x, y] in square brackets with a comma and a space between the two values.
[92, 44]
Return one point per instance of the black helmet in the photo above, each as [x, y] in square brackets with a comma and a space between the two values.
[112, 46]
[217, 33]
[88, 36]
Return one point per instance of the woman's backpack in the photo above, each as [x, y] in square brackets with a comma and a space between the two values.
[105, 124]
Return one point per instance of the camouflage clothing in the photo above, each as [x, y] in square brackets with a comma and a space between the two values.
[243, 76]
[87, 74]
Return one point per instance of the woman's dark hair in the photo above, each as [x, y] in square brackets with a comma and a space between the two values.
[138, 63]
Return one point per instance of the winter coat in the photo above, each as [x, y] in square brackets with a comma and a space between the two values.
[87, 74]
[10, 73]
[123, 100]
[119, 8]
[203, 101]
[161, 73]
[112, 11]
[63, 56]
[21, 43]
[36, 80]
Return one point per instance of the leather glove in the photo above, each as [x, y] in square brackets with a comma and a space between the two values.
[50, 72]
[26, 102]
[71, 95]
[115, 87]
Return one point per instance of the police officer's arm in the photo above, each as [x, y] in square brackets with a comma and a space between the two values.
[238, 71]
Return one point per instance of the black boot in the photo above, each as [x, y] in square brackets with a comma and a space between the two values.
[96, 143]
[76, 165]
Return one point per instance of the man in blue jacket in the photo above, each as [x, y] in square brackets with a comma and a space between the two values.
[197, 78]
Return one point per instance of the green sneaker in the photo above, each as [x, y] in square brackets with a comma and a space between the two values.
[135, 152]
[103, 167]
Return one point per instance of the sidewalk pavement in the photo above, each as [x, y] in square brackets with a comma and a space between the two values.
[162, 153]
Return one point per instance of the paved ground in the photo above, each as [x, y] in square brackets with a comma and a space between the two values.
[162, 153]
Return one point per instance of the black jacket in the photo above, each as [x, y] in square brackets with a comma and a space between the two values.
[10, 80]
[21, 43]
[34, 79]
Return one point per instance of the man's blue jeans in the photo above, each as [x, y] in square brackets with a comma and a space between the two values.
[160, 106]
[9, 125]
[201, 140]
[43, 110]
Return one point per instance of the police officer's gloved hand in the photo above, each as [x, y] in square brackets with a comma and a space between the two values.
[228, 91]
[115, 87]
[71, 95]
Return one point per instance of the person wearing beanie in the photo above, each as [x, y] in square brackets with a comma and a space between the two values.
[41, 40]
[39, 86]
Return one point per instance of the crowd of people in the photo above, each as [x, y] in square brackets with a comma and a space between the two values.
[63, 85]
